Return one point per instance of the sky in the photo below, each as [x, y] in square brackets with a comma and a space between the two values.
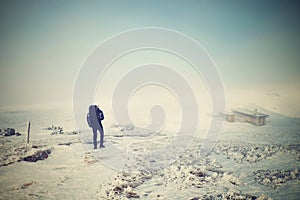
[44, 43]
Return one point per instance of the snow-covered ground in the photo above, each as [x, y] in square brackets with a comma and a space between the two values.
[247, 162]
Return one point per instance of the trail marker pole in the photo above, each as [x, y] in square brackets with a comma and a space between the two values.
[28, 132]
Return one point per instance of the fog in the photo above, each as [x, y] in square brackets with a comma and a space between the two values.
[253, 44]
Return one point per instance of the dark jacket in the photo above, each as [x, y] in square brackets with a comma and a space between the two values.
[95, 116]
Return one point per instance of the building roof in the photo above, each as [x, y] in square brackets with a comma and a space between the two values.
[252, 113]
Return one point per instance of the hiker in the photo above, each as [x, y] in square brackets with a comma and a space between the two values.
[94, 118]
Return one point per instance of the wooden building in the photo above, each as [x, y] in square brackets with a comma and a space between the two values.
[252, 117]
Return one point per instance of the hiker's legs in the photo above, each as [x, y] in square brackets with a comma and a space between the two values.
[95, 137]
[101, 136]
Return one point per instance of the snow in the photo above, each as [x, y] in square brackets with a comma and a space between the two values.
[246, 162]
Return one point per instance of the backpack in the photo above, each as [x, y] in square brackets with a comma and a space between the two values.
[100, 115]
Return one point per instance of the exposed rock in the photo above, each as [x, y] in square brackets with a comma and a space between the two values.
[118, 189]
[132, 195]
[26, 185]
[55, 129]
[9, 132]
[198, 173]
[233, 195]
[275, 178]
[72, 133]
[254, 153]
[65, 143]
[39, 155]
[123, 184]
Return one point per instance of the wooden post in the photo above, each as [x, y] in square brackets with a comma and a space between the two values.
[28, 132]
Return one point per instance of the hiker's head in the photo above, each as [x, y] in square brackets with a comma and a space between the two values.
[92, 108]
